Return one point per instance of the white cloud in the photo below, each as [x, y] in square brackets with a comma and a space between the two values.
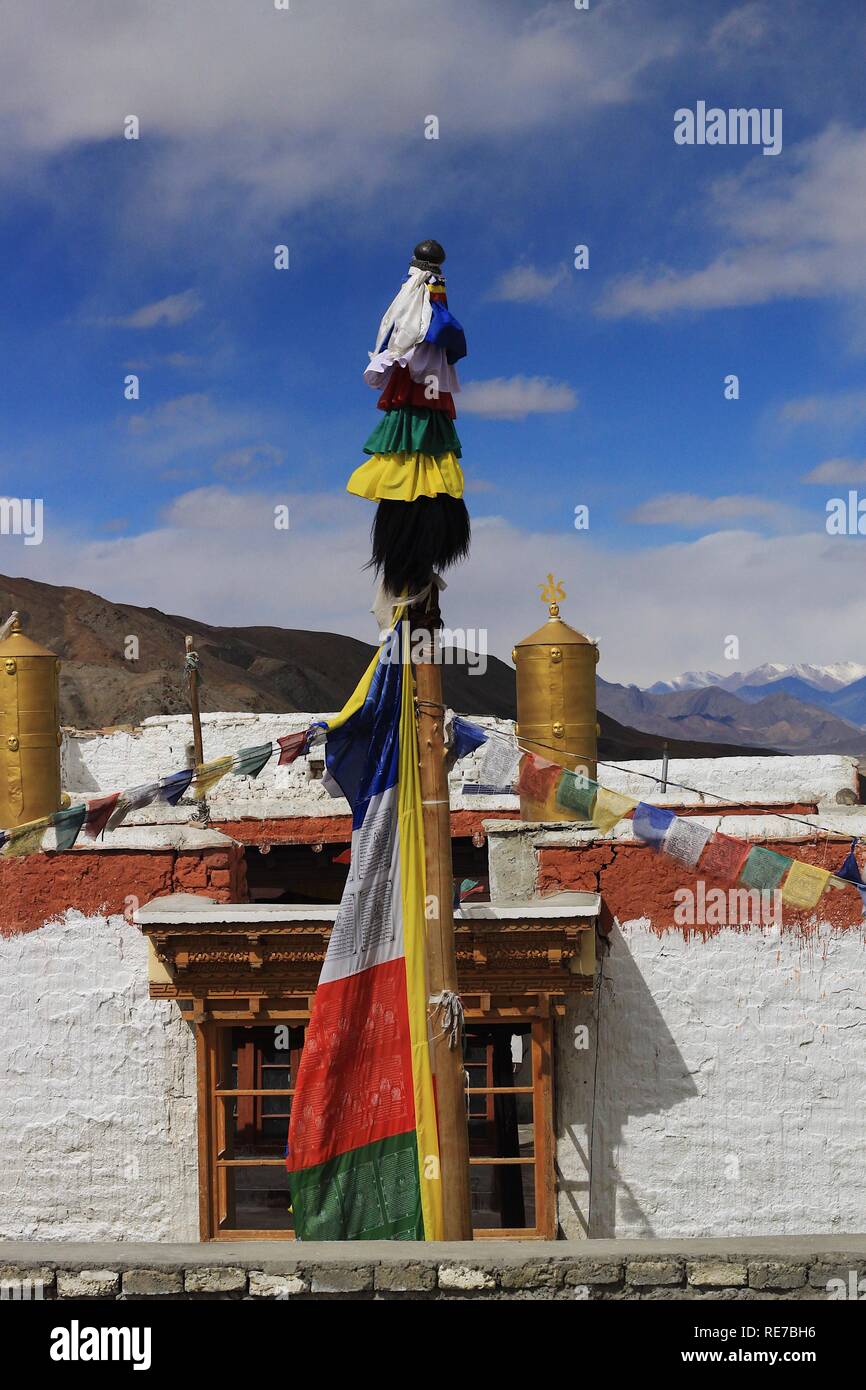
[743, 27]
[162, 313]
[195, 424]
[838, 471]
[217, 556]
[835, 409]
[793, 231]
[321, 99]
[688, 509]
[524, 284]
[247, 462]
[515, 397]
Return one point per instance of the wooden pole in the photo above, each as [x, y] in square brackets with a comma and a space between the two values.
[195, 710]
[441, 955]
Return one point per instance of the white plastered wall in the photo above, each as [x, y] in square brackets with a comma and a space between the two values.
[98, 1090]
[719, 1087]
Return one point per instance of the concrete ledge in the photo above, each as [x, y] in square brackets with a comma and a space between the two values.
[792, 1268]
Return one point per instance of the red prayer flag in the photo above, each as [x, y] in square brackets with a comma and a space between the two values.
[98, 813]
[723, 857]
[537, 777]
[291, 746]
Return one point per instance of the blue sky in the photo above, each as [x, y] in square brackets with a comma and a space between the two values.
[556, 126]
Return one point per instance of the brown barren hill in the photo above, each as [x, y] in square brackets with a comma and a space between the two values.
[253, 669]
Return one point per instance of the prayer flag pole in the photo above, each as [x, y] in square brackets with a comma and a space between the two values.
[422, 527]
[193, 678]
[447, 1015]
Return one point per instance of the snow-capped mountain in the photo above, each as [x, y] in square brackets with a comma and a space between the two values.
[689, 680]
[834, 676]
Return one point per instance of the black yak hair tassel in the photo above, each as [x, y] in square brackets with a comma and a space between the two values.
[412, 539]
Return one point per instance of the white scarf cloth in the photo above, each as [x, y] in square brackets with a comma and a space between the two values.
[407, 316]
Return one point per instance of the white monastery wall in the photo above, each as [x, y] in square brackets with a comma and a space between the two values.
[98, 1093]
[95, 762]
[730, 1087]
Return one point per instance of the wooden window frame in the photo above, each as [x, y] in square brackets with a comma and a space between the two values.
[213, 1164]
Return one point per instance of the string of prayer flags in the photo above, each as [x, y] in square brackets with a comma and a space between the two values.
[172, 787]
[686, 841]
[724, 857]
[67, 823]
[98, 813]
[576, 792]
[611, 807]
[651, 824]
[207, 775]
[804, 884]
[764, 869]
[103, 813]
[291, 747]
[248, 762]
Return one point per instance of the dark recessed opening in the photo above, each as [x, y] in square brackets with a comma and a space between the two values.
[304, 874]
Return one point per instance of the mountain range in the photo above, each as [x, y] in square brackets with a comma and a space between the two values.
[832, 677]
[269, 669]
[775, 720]
[834, 693]
[257, 669]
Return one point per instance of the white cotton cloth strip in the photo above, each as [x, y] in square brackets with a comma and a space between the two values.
[407, 317]
[424, 361]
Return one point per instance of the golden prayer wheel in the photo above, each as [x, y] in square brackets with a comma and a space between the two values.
[29, 730]
[556, 709]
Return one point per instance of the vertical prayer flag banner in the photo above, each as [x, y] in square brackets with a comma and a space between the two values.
[804, 885]
[363, 1154]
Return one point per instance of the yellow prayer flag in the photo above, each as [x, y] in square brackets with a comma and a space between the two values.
[610, 807]
[208, 774]
[804, 884]
[27, 838]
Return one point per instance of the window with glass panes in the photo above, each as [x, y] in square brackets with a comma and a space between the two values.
[249, 1077]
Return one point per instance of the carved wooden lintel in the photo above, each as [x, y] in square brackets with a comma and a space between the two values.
[496, 959]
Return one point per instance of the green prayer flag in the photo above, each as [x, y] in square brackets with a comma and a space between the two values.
[67, 824]
[577, 793]
[764, 868]
[248, 762]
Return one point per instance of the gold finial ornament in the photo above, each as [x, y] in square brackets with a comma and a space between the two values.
[551, 593]
[29, 729]
[556, 704]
